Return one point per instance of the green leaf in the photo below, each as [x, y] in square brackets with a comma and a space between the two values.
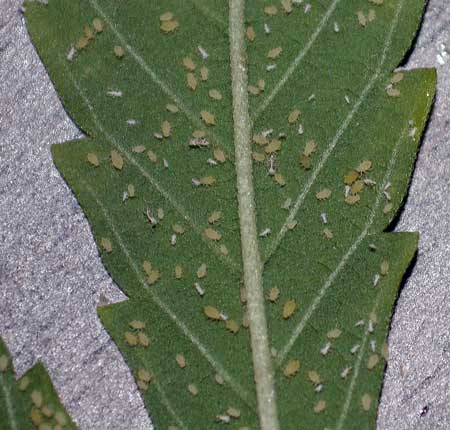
[303, 261]
[30, 402]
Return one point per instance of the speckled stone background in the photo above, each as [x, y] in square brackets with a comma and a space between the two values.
[51, 277]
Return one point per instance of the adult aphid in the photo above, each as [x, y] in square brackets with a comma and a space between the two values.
[270, 10]
[106, 244]
[93, 159]
[323, 194]
[191, 81]
[250, 33]
[320, 406]
[212, 234]
[219, 155]
[189, 64]
[232, 326]
[214, 217]
[294, 116]
[116, 160]
[366, 401]
[212, 313]
[181, 361]
[208, 118]
[193, 389]
[274, 53]
[291, 368]
[215, 94]
[178, 272]
[289, 308]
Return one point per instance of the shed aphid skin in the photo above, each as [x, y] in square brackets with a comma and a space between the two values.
[336, 27]
[366, 402]
[250, 33]
[376, 280]
[320, 406]
[181, 361]
[189, 64]
[373, 345]
[294, 116]
[114, 93]
[291, 368]
[208, 118]
[202, 271]
[323, 217]
[345, 372]
[71, 54]
[289, 308]
[271, 67]
[266, 232]
[354, 349]
[324, 194]
[198, 142]
[270, 10]
[93, 159]
[267, 29]
[328, 233]
[195, 182]
[202, 52]
[274, 53]
[307, 8]
[150, 217]
[200, 290]
[116, 160]
[211, 162]
[204, 73]
[325, 349]
[131, 122]
[158, 135]
[225, 419]
[106, 244]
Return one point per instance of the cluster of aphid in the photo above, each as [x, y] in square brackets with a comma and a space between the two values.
[137, 336]
[89, 33]
[43, 415]
[391, 89]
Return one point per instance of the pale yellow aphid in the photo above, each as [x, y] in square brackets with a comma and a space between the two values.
[232, 326]
[142, 385]
[219, 379]
[294, 116]
[131, 339]
[397, 78]
[357, 187]
[233, 412]
[289, 308]
[320, 406]
[212, 234]
[178, 272]
[270, 10]
[98, 25]
[61, 418]
[191, 81]
[274, 293]
[81, 43]
[214, 217]
[260, 139]
[262, 84]
[144, 375]
[334, 334]
[314, 377]
[364, 166]
[373, 318]
[119, 52]
[169, 26]
[153, 277]
[393, 92]
[361, 18]
[224, 250]
[36, 398]
[204, 73]
[212, 313]
[48, 412]
[131, 191]
[305, 162]
[310, 148]
[351, 177]
[137, 324]
[166, 128]
[166, 16]
[258, 156]
[366, 401]
[287, 6]
[291, 225]
[189, 64]
[291, 368]
[199, 134]
[116, 160]
[147, 266]
[387, 208]
[160, 213]
[384, 268]
[24, 383]
[328, 233]
[208, 180]
[215, 94]
[181, 361]
[208, 118]
[373, 360]
[152, 156]
[201, 271]
[178, 229]
[351, 200]
[93, 159]
[106, 244]
[371, 15]
[243, 295]
[254, 91]
[279, 179]
[275, 52]
[143, 339]
[250, 33]
[4, 361]
[323, 194]
[172, 108]
[88, 32]
[219, 155]
[245, 321]
[273, 146]
[385, 351]
[139, 149]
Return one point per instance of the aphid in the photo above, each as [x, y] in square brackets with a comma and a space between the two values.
[142, 385]
[219, 155]
[172, 108]
[151, 219]
[260, 139]
[166, 16]
[36, 398]
[202, 53]
[384, 268]
[243, 295]
[98, 25]
[61, 418]
[357, 187]
[116, 160]
[254, 91]
[385, 351]
[232, 326]
[291, 368]
[143, 339]
[166, 128]
[81, 43]
[336, 27]
[273, 146]
[310, 148]
[204, 73]
[212, 313]
[233, 412]
[207, 181]
[328, 233]
[314, 377]
[208, 118]
[376, 280]
[199, 289]
[351, 177]
[354, 349]
[169, 26]
[160, 213]
[214, 217]
[199, 134]
[193, 389]
[250, 33]
[279, 179]
[48, 412]
[106, 244]
[88, 32]
[93, 159]
[178, 272]
[267, 29]
[147, 266]
[36, 417]
[387, 195]
[191, 81]
[371, 15]
[366, 401]
[334, 334]
[377, 2]
[291, 225]
[181, 361]
[320, 406]
[274, 293]
[305, 162]
[178, 229]
[137, 324]
[71, 54]
[361, 18]
[4, 362]
[201, 271]
[352, 199]
[212, 234]
[266, 232]
[392, 92]
[215, 94]
[364, 166]
[153, 277]
[293, 117]
[323, 217]
[345, 372]
[270, 10]
[119, 52]
[274, 53]
[287, 6]
[23, 383]
[271, 67]
[387, 208]
[262, 84]
[130, 191]
[130, 338]
[223, 250]
[219, 379]
[287, 204]
[323, 194]
[289, 308]
[258, 156]
[189, 64]
[273, 352]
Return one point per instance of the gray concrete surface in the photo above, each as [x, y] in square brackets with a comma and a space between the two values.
[51, 278]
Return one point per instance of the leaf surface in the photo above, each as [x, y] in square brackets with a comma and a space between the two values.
[242, 164]
[30, 402]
